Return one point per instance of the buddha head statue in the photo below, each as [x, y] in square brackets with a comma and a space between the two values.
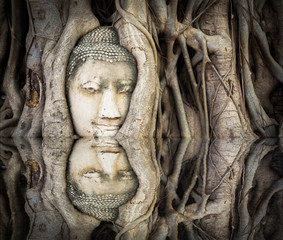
[101, 76]
[99, 179]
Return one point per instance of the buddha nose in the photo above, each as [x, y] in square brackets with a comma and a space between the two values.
[108, 107]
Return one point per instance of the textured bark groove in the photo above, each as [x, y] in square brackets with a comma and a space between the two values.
[10, 84]
[56, 118]
[209, 83]
[166, 41]
[140, 121]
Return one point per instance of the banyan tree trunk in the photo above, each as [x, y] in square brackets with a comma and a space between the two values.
[224, 98]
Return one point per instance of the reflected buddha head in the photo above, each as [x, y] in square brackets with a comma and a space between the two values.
[101, 76]
[99, 179]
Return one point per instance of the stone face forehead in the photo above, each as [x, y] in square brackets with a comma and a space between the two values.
[101, 44]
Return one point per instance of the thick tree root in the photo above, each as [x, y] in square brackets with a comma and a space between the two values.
[260, 119]
[56, 117]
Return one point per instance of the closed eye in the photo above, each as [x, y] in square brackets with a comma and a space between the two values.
[91, 87]
[125, 89]
[126, 174]
[92, 174]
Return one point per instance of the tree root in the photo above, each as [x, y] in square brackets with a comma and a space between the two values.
[130, 18]
[11, 77]
[259, 118]
[275, 69]
[256, 155]
[30, 122]
[11, 176]
[137, 221]
[4, 39]
[186, 56]
[56, 118]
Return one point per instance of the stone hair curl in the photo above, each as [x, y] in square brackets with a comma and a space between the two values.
[102, 207]
[102, 44]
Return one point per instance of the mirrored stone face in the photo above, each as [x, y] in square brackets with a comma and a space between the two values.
[99, 96]
[101, 170]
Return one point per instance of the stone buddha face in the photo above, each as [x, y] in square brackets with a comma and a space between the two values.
[100, 179]
[101, 169]
[99, 96]
[101, 78]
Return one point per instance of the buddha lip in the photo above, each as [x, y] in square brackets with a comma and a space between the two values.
[108, 127]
